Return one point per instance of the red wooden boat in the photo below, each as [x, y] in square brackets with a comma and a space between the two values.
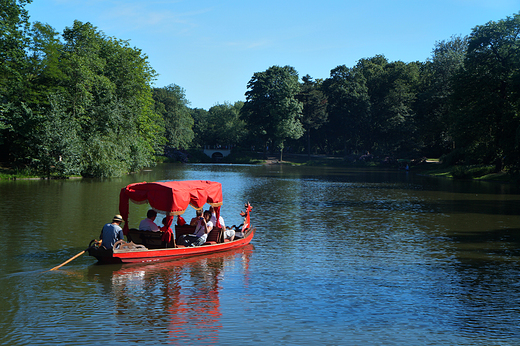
[170, 198]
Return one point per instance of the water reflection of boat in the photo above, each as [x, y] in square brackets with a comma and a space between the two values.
[170, 198]
[180, 297]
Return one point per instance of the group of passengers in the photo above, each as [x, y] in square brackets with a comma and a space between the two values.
[203, 222]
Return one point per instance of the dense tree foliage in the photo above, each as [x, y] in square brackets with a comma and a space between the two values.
[199, 116]
[487, 96]
[371, 106]
[14, 40]
[107, 94]
[272, 110]
[171, 103]
[314, 112]
[434, 106]
[13, 43]
[220, 126]
[81, 103]
[348, 109]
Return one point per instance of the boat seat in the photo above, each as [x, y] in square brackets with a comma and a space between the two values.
[214, 237]
[152, 240]
[181, 230]
[185, 229]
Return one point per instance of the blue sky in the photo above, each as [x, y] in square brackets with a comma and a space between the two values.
[213, 48]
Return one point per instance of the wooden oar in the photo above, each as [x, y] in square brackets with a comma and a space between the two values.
[74, 257]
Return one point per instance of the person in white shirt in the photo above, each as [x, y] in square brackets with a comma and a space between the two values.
[228, 232]
[204, 226]
[214, 218]
[148, 223]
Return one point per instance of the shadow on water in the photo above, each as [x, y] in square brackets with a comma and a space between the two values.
[481, 280]
[490, 207]
[497, 244]
[389, 179]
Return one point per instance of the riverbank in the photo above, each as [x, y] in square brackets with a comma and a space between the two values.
[7, 173]
[467, 173]
[429, 167]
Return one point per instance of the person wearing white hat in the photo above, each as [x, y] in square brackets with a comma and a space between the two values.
[112, 232]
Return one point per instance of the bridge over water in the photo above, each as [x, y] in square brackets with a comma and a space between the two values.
[217, 152]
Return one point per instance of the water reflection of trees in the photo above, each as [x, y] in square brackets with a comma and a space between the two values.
[175, 300]
[445, 254]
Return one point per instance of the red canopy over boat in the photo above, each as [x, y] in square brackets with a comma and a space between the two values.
[171, 197]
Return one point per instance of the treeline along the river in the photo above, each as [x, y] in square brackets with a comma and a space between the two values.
[80, 102]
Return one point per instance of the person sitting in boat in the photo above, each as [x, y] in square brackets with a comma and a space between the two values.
[196, 219]
[204, 226]
[180, 221]
[112, 232]
[163, 227]
[148, 223]
[229, 233]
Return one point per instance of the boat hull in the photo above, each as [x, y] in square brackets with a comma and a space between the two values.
[153, 255]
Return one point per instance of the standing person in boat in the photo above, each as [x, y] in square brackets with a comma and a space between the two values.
[204, 226]
[112, 232]
[214, 218]
[148, 223]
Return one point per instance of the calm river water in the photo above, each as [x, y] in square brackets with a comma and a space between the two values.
[340, 257]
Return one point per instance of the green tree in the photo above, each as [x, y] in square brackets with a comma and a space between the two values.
[200, 122]
[223, 125]
[15, 117]
[487, 96]
[59, 146]
[106, 91]
[82, 105]
[13, 43]
[433, 107]
[172, 104]
[45, 75]
[314, 112]
[348, 109]
[128, 69]
[271, 110]
[392, 88]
